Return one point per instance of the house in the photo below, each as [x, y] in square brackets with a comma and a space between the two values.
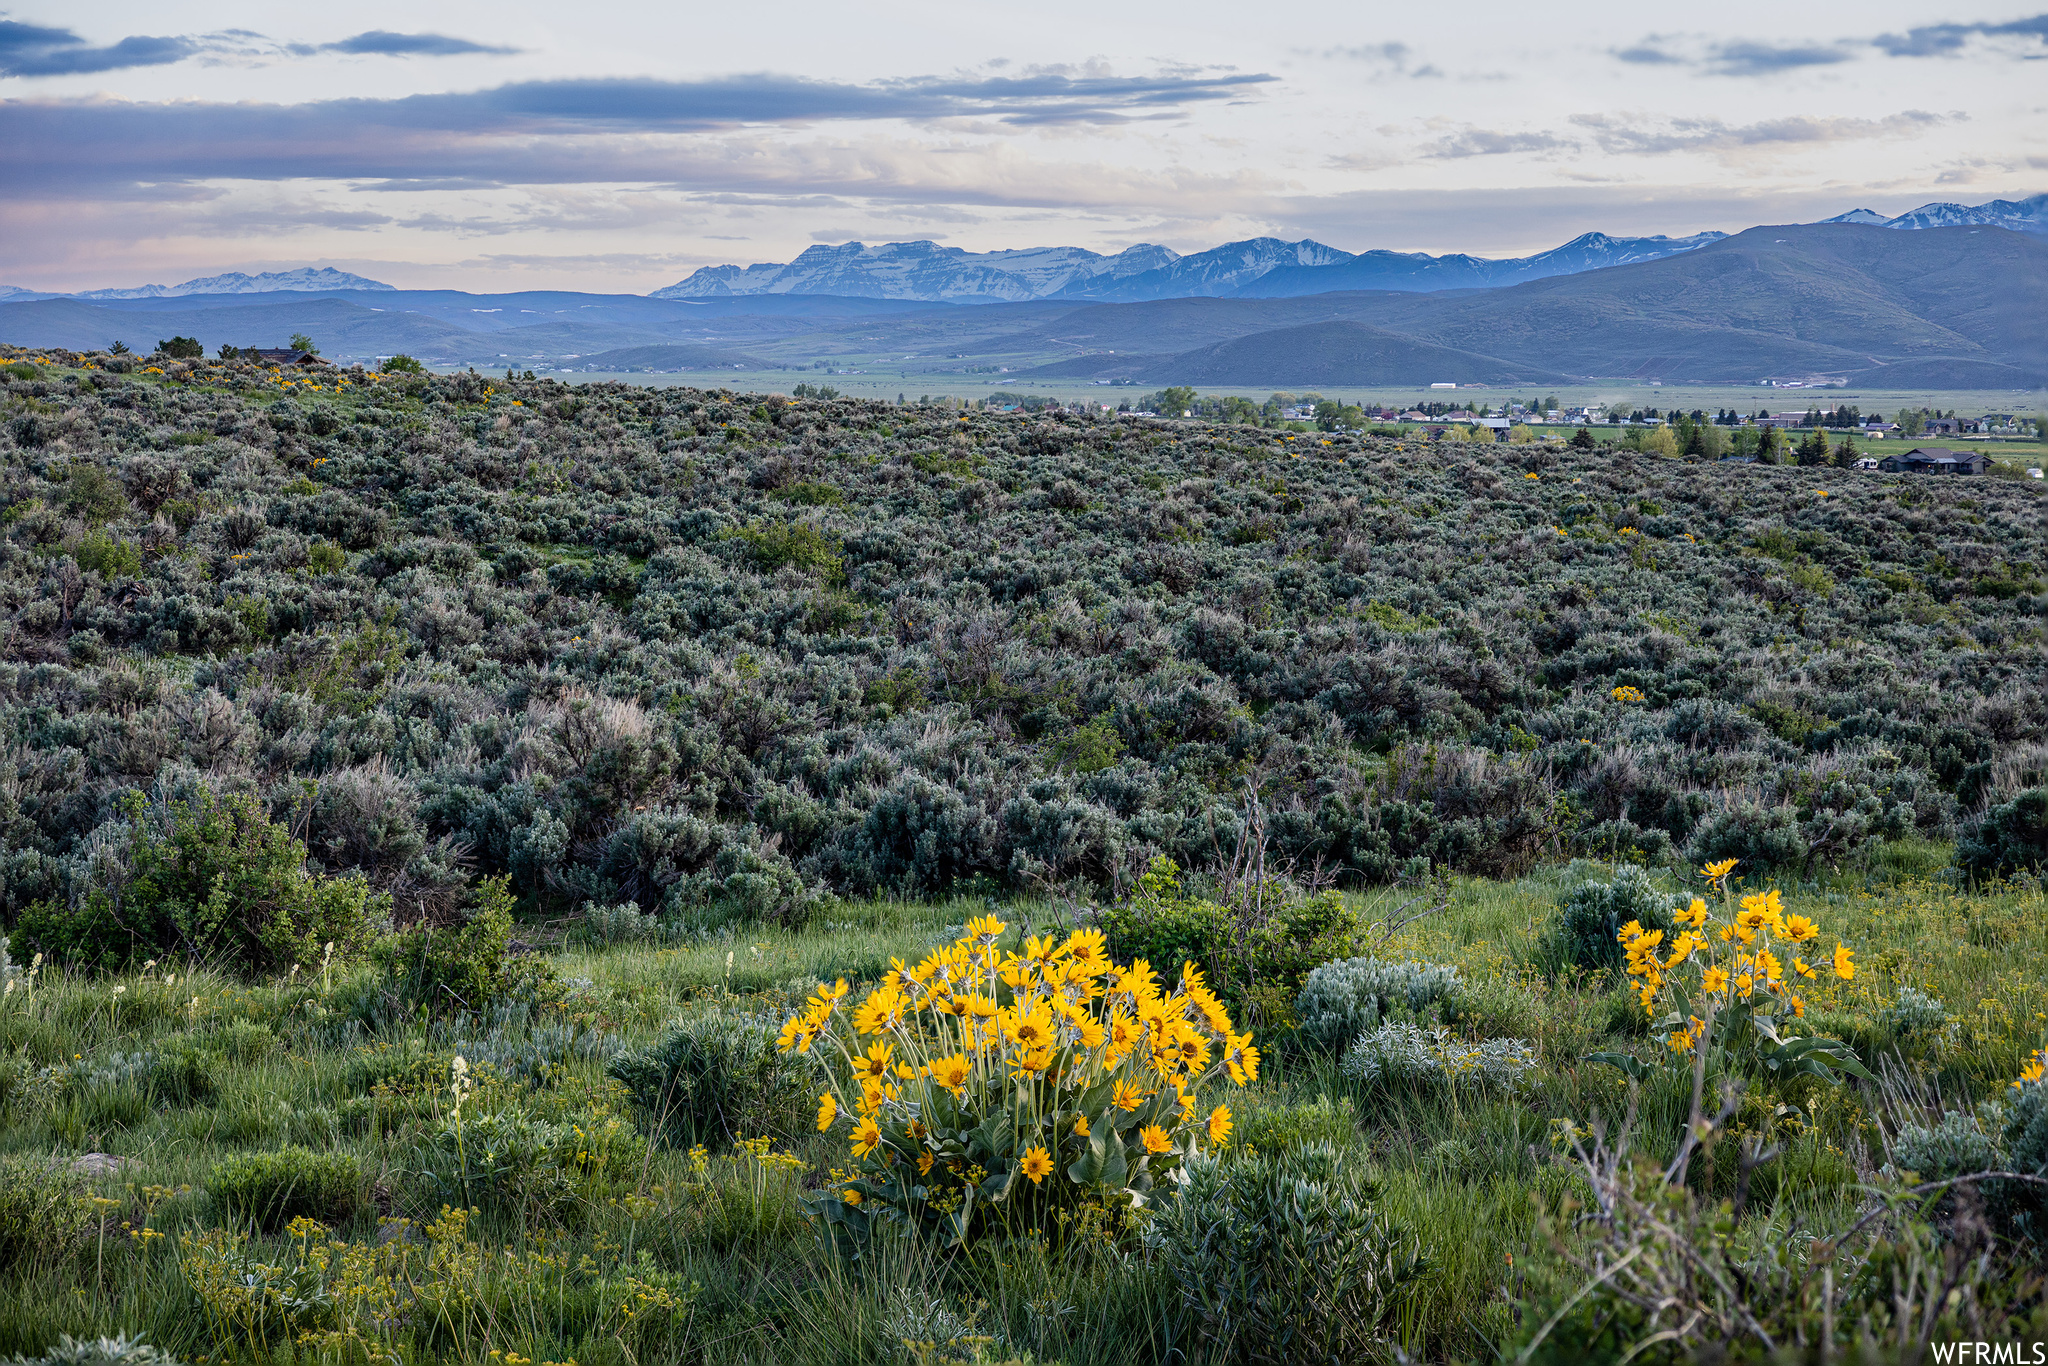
[1934, 460]
[283, 356]
[1942, 426]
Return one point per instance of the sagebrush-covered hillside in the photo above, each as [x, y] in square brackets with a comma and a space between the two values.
[702, 650]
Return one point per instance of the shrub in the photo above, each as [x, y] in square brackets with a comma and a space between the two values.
[2026, 1145]
[448, 969]
[2010, 837]
[714, 1080]
[182, 348]
[1406, 1054]
[1255, 953]
[1088, 749]
[211, 878]
[116, 1351]
[1760, 837]
[181, 1071]
[1954, 1147]
[1282, 1258]
[514, 1164]
[1283, 1127]
[746, 883]
[92, 493]
[45, 1211]
[1341, 1000]
[624, 923]
[107, 556]
[402, 365]
[1592, 914]
[776, 544]
[1914, 1012]
[270, 1189]
[969, 1118]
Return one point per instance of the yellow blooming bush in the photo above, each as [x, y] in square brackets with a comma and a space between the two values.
[1732, 982]
[988, 1086]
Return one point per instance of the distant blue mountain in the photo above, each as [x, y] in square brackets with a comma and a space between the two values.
[1418, 272]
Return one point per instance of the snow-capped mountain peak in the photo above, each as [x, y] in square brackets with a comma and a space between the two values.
[306, 279]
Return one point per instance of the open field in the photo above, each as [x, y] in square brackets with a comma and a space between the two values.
[886, 383]
[612, 1247]
[443, 804]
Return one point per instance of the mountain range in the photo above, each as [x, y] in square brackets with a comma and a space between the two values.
[1261, 267]
[304, 280]
[1949, 307]
[1947, 296]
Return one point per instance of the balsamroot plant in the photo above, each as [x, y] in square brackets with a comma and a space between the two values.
[1730, 986]
[988, 1089]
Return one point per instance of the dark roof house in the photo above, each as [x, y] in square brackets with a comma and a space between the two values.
[1934, 460]
[284, 356]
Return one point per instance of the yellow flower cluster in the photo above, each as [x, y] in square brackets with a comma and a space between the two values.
[1628, 693]
[1055, 1046]
[1736, 964]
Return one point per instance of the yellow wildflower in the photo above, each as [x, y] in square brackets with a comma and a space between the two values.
[1717, 873]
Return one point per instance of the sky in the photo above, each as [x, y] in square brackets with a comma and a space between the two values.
[617, 147]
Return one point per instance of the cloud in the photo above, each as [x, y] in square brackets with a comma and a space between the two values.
[1617, 135]
[1732, 57]
[1735, 57]
[30, 50]
[33, 50]
[383, 43]
[1395, 57]
[565, 131]
[1764, 59]
[1484, 142]
[1946, 40]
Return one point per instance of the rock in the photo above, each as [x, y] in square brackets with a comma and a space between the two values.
[99, 1164]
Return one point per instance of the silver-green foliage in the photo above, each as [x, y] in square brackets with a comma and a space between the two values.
[1592, 913]
[1341, 1000]
[624, 923]
[1282, 1257]
[2026, 1145]
[1400, 1052]
[1937, 1152]
[115, 1351]
[1914, 1012]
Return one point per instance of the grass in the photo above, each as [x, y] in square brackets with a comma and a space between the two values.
[613, 1249]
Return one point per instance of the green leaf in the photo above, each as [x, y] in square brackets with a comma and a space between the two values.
[1634, 1067]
